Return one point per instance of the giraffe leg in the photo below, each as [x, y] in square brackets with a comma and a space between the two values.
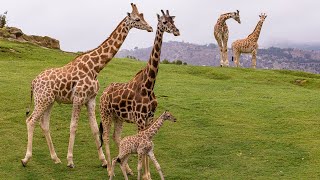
[114, 161]
[237, 59]
[140, 160]
[221, 52]
[117, 138]
[73, 128]
[106, 120]
[254, 59]
[147, 174]
[225, 49]
[155, 162]
[44, 123]
[219, 41]
[123, 163]
[94, 128]
[36, 114]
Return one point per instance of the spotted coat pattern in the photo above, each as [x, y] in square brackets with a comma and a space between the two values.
[248, 45]
[140, 144]
[221, 34]
[76, 83]
[135, 101]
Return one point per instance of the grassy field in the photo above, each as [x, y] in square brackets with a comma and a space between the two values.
[232, 123]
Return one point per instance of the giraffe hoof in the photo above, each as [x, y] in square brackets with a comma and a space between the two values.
[71, 166]
[57, 161]
[130, 173]
[104, 165]
[24, 164]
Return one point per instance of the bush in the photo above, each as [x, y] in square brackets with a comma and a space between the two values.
[3, 20]
[165, 61]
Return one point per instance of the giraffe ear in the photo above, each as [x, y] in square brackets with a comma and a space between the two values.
[158, 17]
[128, 14]
[172, 17]
[237, 11]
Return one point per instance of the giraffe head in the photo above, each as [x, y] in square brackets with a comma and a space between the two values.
[168, 116]
[166, 23]
[236, 16]
[263, 16]
[136, 19]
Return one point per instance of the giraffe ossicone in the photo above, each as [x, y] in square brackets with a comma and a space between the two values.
[135, 101]
[76, 83]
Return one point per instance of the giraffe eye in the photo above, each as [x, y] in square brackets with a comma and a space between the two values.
[137, 20]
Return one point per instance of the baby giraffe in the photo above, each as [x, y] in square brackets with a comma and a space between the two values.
[141, 144]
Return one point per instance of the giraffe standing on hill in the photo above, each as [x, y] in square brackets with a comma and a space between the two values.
[248, 45]
[221, 33]
[76, 83]
[141, 144]
[134, 102]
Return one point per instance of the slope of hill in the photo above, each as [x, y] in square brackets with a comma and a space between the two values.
[209, 55]
[232, 123]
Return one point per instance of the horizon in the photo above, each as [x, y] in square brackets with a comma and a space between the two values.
[82, 25]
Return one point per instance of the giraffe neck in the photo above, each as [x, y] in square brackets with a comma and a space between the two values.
[154, 128]
[100, 56]
[224, 17]
[256, 32]
[151, 70]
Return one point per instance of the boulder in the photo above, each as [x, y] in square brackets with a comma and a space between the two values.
[13, 33]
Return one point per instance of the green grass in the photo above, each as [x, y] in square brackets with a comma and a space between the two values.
[232, 123]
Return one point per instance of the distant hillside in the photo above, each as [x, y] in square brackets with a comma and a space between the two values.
[208, 55]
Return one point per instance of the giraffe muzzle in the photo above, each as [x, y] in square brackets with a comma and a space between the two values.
[176, 32]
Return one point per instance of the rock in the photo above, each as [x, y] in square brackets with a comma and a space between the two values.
[16, 34]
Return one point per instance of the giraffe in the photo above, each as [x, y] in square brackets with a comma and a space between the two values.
[76, 83]
[134, 102]
[142, 144]
[221, 33]
[249, 44]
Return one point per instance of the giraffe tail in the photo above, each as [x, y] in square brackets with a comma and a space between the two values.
[232, 58]
[101, 133]
[31, 98]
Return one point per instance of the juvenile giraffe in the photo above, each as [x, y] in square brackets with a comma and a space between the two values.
[141, 144]
[221, 33]
[134, 102]
[248, 45]
[76, 83]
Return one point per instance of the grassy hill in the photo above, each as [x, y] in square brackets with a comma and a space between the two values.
[232, 123]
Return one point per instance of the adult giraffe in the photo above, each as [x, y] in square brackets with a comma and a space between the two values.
[134, 102]
[221, 33]
[76, 83]
[248, 45]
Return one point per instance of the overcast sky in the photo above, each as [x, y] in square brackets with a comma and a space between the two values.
[82, 25]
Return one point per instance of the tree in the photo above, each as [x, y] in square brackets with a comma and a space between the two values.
[165, 61]
[3, 19]
[178, 62]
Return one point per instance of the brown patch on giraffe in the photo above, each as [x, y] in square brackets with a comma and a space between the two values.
[99, 50]
[149, 84]
[117, 45]
[112, 50]
[152, 74]
[115, 35]
[90, 64]
[106, 50]
[110, 42]
[94, 53]
[95, 59]
[104, 57]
